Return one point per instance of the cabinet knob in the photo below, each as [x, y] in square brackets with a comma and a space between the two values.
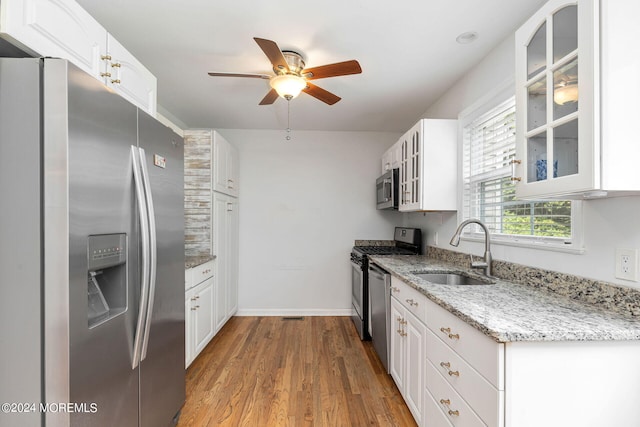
[454, 336]
[116, 65]
[445, 364]
[105, 74]
[454, 413]
[106, 57]
[445, 330]
[194, 298]
[453, 373]
[445, 401]
[116, 81]
[394, 289]
[411, 302]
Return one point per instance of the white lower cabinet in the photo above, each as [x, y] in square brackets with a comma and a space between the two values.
[199, 310]
[408, 334]
[452, 375]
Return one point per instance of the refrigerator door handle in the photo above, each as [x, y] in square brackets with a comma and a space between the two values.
[152, 249]
[144, 243]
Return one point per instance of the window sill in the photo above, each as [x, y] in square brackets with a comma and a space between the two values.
[540, 245]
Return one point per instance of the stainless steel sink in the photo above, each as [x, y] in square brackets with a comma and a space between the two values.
[454, 279]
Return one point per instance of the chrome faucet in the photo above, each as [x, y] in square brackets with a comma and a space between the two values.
[486, 264]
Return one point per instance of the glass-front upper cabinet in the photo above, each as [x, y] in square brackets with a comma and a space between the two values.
[568, 58]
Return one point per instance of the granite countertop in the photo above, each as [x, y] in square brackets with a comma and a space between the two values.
[510, 311]
[191, 261]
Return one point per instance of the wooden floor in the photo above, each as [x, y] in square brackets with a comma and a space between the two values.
[268, 371]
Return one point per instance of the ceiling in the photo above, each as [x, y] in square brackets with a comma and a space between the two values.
[407, 50]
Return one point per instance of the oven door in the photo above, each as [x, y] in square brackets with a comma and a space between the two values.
[387, 190]
[357, 298]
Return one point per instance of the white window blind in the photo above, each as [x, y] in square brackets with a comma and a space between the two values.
[489, 194]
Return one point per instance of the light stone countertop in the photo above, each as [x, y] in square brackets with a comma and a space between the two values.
[191, 261]
[509, 311]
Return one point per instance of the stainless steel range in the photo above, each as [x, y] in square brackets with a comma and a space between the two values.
[407, 241]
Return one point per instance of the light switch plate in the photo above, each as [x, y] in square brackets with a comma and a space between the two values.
[627, 264]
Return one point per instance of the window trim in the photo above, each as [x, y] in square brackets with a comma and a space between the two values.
[492, 99]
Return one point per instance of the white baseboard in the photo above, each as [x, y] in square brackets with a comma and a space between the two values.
[294, 312]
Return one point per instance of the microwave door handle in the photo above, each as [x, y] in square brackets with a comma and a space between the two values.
[387, 189]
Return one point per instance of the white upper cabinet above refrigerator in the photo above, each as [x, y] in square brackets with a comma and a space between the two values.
[577, 63]
[63, 29]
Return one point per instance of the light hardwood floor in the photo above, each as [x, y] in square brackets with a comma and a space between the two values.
[267, 371]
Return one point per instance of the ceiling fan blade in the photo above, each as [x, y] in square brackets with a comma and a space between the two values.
[321, 94]
[252, 75]
[273, 52]
[269, 98]
[332, 70]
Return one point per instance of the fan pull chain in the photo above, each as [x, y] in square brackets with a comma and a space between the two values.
[288, 137]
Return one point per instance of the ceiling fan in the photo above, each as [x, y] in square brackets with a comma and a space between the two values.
[291, 77]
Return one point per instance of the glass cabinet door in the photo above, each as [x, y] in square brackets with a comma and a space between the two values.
[552, 97]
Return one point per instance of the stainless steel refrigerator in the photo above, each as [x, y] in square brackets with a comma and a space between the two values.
[92, 254]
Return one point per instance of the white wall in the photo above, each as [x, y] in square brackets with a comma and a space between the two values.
[302, 204]
[608, 223]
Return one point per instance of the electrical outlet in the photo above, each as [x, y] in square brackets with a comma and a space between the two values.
[627, 264]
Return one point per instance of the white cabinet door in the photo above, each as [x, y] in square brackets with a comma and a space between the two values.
[225, 164]
[189, 316]
[415, 364]
[203, 325]
[397, 344]
[128, 77]
[232, 260]
[233, 159]
[391, 158]
[56, 28]
[220, 250]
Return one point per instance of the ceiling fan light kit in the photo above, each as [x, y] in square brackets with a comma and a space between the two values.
[288, 86]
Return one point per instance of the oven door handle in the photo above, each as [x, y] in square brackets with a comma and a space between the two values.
[380, 274]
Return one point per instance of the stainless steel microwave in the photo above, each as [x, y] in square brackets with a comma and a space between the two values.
[387, 190]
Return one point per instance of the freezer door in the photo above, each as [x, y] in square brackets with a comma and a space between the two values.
[162, 375]
[21, 231]
[103, 255]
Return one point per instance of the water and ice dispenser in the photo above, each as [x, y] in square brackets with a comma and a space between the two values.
[106, 277]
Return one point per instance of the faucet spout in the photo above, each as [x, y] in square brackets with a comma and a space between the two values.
[455, 241]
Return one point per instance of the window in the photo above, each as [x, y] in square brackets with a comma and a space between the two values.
[488, 147]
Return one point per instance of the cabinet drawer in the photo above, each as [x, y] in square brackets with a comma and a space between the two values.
[484, 354]
[202, 272]
[481, 395]
[433, 415]
[410, 298]
[455, 409]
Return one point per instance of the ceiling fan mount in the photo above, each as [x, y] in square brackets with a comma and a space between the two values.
[295, 62]
[291, 77]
